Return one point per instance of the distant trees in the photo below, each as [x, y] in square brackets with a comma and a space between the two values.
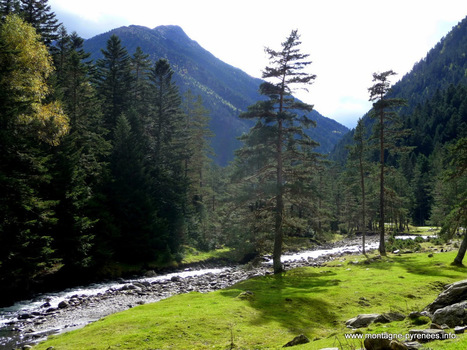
[279, 137]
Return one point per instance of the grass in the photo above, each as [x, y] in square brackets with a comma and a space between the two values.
[311, 301]
[192, 256]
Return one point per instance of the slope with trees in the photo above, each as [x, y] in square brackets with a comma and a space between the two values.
[226, 91]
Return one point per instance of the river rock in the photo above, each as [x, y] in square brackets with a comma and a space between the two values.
[63, 304]
[363, 320]
[452, 315]
[298, 340]
[452, 294]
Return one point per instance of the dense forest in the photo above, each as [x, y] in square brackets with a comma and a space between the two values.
[106, 162]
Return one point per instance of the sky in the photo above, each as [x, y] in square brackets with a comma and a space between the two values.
[347, 40]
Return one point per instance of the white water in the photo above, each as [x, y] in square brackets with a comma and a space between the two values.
[11, 313]
[414, 236]
[314, 254]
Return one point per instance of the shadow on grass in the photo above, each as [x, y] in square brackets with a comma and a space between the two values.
[291, 299]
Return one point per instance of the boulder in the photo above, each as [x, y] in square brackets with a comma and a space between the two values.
[363, 320]
[397, 345]
[452, 294]
[390, 317]
[459, 329]
[452, 315]
[377, 344]
[412, 345]
[298, 340]
[426, 335]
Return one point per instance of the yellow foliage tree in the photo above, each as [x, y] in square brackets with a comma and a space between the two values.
[26, 64]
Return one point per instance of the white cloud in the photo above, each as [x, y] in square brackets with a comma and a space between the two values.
[347, 40]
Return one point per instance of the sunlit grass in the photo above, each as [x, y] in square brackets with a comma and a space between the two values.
[311, 301]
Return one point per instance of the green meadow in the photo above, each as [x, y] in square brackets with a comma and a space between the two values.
[267, 312]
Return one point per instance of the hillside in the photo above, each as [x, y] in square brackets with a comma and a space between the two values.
[226, 90]
[444, 67]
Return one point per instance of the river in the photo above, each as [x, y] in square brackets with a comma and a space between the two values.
[31, 321]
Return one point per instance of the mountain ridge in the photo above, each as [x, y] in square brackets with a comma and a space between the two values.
[444, 65]
[225, 89]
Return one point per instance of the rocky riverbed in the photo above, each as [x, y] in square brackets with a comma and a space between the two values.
[32, 321]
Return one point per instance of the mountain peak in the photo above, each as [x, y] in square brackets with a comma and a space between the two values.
[172, 29]
[225, 90]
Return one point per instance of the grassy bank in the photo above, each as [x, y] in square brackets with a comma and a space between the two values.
[267, 312]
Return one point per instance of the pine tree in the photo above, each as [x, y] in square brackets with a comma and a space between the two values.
[39, 14]
[8, 7]
[384, 110]
[457, 217]
[279, 134]
[196, 168]
[114, 81]
[29, 127]
[80, 160]
[167, 151]
[358, 153]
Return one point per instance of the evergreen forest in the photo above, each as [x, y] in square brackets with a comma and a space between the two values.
[106, 163]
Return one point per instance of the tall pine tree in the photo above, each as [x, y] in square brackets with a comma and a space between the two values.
[279, 133]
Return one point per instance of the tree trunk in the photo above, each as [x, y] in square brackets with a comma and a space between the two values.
[382, 248]
[461, 253]
[278, 233]
[362, 179]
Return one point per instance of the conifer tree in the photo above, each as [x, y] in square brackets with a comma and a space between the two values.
[39, 14]
[8, 7]
[29, 127]
[114, 81]
[279, 134]
[80, 160]
[358, 154]
[384, 109]
[196, 167]
[167, 150]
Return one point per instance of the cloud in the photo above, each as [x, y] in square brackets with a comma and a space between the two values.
[347, 40]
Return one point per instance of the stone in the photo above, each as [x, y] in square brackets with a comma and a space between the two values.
[459, 329]
[298, 340]
[426, 335]
[246, 295]
[176, 279]
[452, 294]
[363, 320]
[452, 315]
[63, 304]
[389, 317]
[412, 345]
[396, 345]
[377, 344]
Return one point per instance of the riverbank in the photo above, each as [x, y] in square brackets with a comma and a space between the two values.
[74, 308]
[265, 312]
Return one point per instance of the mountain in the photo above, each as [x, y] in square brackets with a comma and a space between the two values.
[226, 90]
[433, 81]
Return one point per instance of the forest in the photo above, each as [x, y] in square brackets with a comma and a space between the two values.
[106, 163]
